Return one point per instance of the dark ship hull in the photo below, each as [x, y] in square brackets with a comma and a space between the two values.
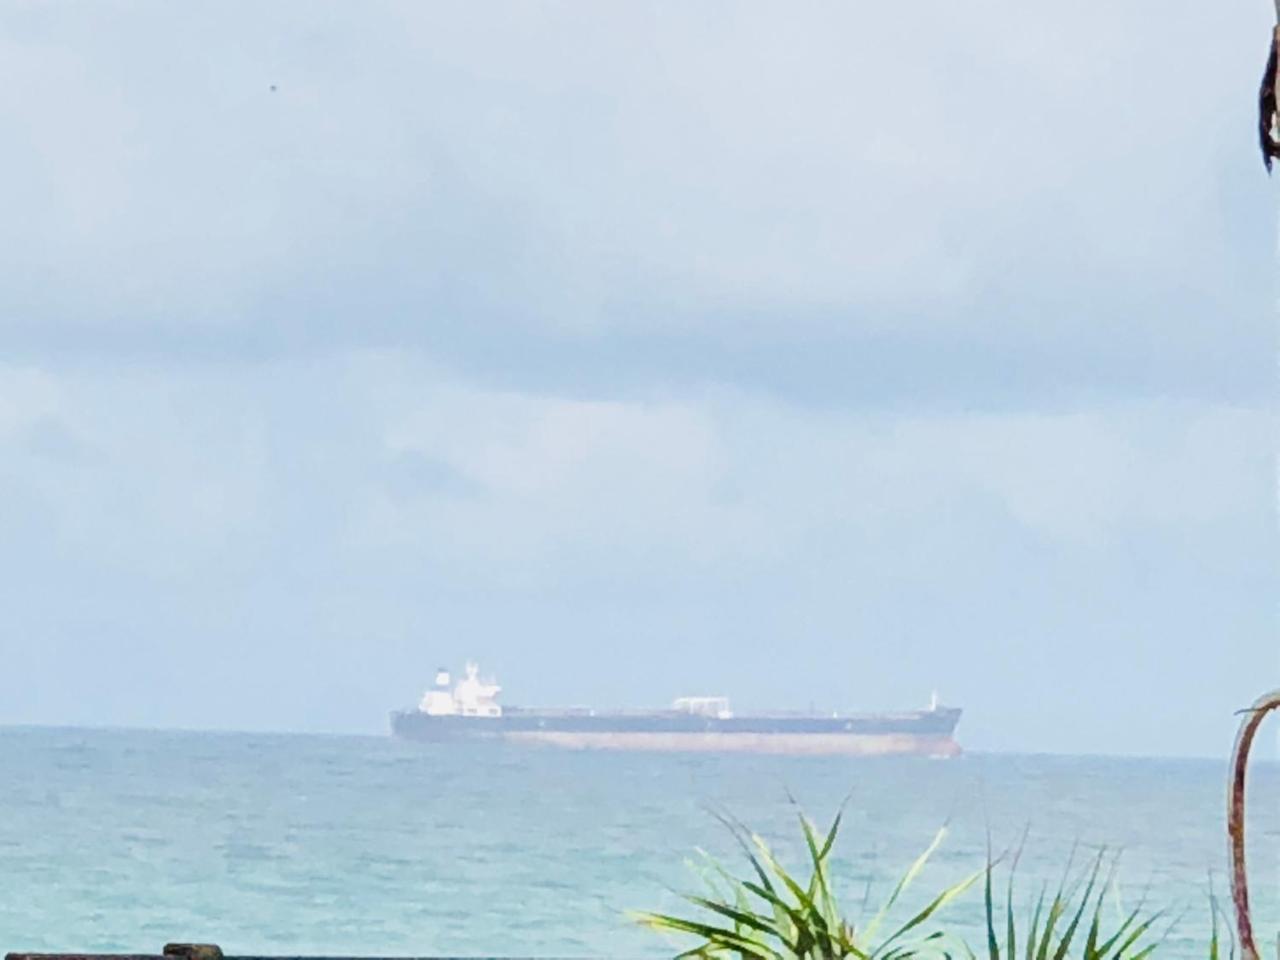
[921, 732]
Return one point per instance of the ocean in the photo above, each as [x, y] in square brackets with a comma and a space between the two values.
[279, 844]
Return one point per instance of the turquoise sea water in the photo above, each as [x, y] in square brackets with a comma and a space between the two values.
[122, 840]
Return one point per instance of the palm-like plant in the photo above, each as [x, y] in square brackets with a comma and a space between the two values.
[1072, 918]
[773, 915]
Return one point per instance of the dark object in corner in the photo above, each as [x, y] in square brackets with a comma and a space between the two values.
[193, 951]
[1267, 105]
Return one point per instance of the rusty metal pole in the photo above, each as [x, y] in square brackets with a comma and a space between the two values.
[1235, 818]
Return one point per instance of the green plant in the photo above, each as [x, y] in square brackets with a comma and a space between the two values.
[774, 916]
[1215, 943]
[1074, 916]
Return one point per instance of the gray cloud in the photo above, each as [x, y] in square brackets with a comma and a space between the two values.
[1055, 200]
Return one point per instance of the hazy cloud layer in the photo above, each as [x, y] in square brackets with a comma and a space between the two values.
[321, 533]
[639, 350]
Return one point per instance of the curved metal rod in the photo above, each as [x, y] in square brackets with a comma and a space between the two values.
[1235, 819]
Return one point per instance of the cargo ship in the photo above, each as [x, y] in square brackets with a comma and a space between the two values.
[469, 710]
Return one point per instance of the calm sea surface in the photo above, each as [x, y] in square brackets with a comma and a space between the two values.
[113, 840]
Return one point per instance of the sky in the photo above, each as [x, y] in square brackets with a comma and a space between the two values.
[820, 354]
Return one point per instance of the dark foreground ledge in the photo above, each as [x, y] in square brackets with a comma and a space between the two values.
[208, 951]
[172, 951]
[157, 956]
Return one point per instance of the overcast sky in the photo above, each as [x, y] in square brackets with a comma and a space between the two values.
[806, 353]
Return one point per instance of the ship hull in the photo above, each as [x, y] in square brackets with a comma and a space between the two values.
[790, 744]
[923, 733]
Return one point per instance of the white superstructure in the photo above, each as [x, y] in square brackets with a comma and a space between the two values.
[717, 707]
[470, 697]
